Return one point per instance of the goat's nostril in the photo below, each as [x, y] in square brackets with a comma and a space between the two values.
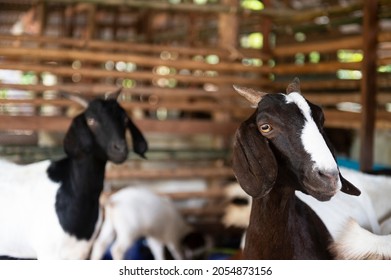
[333, 176]
[119, 146]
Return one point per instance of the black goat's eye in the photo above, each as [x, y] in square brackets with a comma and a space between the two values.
[265, 128]
[92, 122]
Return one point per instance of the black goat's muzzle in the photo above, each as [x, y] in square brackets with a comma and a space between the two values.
[117, 151]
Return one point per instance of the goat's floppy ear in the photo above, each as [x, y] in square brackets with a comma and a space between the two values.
[140, 145]
[348, 187]
[78, 138]
[254, 164]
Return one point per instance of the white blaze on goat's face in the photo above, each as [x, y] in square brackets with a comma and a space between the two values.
[313, 141]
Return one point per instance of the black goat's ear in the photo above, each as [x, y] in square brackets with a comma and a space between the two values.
[254, 164]
[140, 145]
[348, 187]
[113, 95]
[78, 138]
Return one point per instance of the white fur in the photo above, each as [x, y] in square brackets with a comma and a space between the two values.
[378, 188]
[336, 212]
[385, 226]
[29, 227]
[313, 141]
[135, 212]
[358, 243]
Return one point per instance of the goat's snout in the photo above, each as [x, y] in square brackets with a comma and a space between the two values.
[119, 146]
[330, 176]
[322, 184]
[118, 151]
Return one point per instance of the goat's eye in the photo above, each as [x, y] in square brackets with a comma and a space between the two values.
[265, 128]
[92, 122]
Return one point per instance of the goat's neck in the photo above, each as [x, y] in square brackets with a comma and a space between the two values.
[77, 200]
[87, 176]
[283, 227]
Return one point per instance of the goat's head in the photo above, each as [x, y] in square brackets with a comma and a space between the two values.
[286, 129]
[102, 128]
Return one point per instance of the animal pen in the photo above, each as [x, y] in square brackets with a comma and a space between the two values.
[176, 62]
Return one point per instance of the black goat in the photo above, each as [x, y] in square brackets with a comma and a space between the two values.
[50, 210]
[282, 148]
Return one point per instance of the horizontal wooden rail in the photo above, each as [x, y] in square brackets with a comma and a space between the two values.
[136, 75]
[182, 156]
[182, 195]
[312, 68]
[140, 60]
[224, 53]
[350, 120]
[334, 118]
[100, 89]
[326, 46]
[332, 92]
[211, 106]
[169, 173]
[61, 124]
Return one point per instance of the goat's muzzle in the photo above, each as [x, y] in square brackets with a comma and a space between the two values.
[322, 185]
[117, 151]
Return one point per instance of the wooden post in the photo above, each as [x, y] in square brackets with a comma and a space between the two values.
[90, 28]
[228, 26]
[266, 30]
[368, 84]
[228, 30]
[266, 33]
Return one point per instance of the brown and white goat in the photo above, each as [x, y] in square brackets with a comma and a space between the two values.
[282, 148]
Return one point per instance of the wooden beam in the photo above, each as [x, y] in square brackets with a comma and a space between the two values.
[368, 84]
[169, 173]
[137, 75]
[139, 59]
[185, 127]
[132, 47]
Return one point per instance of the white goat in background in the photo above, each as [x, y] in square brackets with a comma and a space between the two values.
[135, 212]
